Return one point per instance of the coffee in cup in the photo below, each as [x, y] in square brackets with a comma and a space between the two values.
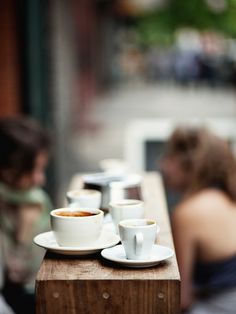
[77, 226]
[84, 198]
[126, 209]
[74, 213]
[138, 237]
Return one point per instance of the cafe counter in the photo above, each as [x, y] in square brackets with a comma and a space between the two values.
[91, 284]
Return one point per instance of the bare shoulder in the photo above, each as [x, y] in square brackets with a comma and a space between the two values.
[202, 205]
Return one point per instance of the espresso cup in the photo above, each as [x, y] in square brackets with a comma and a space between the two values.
[86, 198]
[126, 209]
[138, 237]
[76, 227]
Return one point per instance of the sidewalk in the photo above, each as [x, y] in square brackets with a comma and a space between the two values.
[114, 111]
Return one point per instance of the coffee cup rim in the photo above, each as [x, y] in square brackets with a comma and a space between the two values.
[68, 193]
[69, 209]
[123, 223]
[119, 204]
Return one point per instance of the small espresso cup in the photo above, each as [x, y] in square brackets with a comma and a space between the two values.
[138, 237]
[126, 209]
[86, 198]
[76, 227]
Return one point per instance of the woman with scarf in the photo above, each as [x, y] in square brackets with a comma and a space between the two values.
[24, 208]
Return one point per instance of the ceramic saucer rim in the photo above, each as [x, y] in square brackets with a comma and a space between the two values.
[132, 262]
[58, 248]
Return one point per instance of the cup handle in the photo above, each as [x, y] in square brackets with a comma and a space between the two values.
[138, 243]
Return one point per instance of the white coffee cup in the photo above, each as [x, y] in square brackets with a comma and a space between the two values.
[86, 198]
[113, 166]
[76, 231]
[138, 237]
[126, 209]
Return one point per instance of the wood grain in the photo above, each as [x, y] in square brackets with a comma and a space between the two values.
[93, 285]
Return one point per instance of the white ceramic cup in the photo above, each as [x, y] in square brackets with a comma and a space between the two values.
[76, 231]
[126, 209]
[138, 237]
[113, 166]
[86, 198]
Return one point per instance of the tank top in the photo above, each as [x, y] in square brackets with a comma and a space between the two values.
[215, 276]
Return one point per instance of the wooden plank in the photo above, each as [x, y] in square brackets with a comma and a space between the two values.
[111, 297]
[88, 284]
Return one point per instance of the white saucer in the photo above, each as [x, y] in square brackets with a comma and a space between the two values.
[47, 241]
[109, 226]
[117, 254]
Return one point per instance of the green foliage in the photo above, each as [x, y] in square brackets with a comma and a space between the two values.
[160, 25]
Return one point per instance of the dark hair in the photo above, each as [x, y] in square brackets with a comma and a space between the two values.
[206, 158]
[21, 140]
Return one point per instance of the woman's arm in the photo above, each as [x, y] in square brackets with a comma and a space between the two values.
[185, 245]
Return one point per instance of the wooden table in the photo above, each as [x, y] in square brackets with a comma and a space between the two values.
[93, 285]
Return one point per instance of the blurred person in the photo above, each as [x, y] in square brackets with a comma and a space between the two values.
[24, 208]
[131, 62]
[202, 166]
[186, 67]
[159, 64]
[212, 58]
[186, 63]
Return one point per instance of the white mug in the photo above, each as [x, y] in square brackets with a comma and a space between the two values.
[126, 209]
[70, 230]
[138, 237]
[86, 198]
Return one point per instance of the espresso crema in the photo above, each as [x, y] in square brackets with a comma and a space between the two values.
[75, 214]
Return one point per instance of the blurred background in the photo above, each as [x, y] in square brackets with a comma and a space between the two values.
[111, 78]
